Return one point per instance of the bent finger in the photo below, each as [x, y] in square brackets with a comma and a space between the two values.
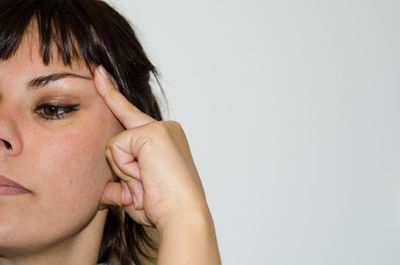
[139, 216]
[115, 167]
[124, 159]
[136, 187]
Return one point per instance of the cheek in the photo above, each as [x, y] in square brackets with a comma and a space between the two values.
[73, 162]
[66, 170]
[71, 166]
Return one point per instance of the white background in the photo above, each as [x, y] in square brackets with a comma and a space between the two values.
[292, 112]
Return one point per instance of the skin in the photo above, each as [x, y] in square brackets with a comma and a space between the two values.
[67, 164]
[61, 162]
[173, 197]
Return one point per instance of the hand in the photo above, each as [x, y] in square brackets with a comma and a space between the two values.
[159, 181]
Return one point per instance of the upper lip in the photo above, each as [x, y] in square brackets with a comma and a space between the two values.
[4, 181]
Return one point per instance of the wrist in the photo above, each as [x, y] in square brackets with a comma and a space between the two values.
[189, 239]
[187, 216]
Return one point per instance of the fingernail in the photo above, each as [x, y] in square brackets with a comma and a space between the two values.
[123, 192]
[102, 71]
[126, 194]
[134, 201]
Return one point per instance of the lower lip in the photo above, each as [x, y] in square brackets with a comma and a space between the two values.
[6, 190]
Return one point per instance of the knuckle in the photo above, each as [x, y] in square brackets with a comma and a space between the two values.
[158, 128]
[113, 141]
[165, 129]
[174, 124]
[175, 128]
[110, 143]
[108, 154]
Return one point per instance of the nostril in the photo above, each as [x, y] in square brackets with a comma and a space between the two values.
[7, 144]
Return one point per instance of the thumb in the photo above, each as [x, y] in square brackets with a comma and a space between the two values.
[117, 193]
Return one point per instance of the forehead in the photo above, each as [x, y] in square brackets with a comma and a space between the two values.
[29, 57]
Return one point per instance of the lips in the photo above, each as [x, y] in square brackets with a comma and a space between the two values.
[10, 187]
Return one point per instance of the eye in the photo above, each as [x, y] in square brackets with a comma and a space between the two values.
[54, 112]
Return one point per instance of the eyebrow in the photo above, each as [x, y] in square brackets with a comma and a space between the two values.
[41, 81]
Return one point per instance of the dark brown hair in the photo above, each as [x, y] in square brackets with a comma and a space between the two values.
[95, 32]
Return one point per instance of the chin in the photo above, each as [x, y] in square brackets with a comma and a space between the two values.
[19, 239]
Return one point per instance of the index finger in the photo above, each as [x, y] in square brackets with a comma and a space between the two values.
[124, 111]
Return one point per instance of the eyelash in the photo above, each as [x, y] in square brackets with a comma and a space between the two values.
[65, 109]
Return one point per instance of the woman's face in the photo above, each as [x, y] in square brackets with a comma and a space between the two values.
[57, 153]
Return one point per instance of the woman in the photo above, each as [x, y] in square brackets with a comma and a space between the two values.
[85, 160]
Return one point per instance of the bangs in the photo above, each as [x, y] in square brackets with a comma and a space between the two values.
[61, 25]
[86, 30]
[94, 32]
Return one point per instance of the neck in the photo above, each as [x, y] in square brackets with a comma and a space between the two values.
[80, 249]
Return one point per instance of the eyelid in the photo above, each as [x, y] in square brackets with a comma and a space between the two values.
[68, 108]
[57, 99]
[50, 104]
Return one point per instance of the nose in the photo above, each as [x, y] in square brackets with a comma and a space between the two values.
[10, 139]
